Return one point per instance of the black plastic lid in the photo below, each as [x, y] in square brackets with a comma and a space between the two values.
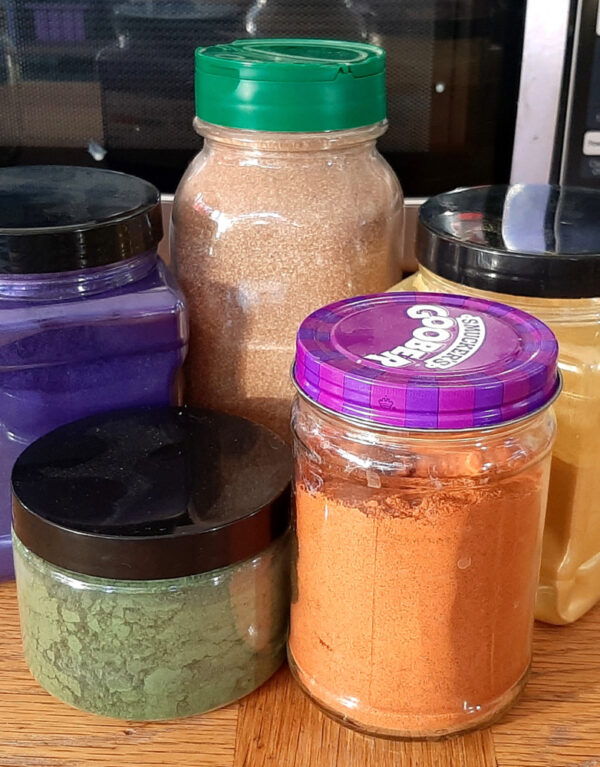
[57, 218]
[532, 240]
[152, 493]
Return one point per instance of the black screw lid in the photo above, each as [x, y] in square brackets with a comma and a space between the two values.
[535, 240]
[56, 218]
[152, 493]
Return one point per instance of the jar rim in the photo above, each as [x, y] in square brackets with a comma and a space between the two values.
[363, 423]
[251, 136]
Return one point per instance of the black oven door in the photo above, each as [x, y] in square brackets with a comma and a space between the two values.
[110, 82]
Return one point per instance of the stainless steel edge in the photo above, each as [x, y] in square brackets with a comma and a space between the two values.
[544, 48]
[411, 210]
[571, 92]
[411, 219]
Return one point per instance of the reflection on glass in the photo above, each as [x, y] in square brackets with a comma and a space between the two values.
[327, 19]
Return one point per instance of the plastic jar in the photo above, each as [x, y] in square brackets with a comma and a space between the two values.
[90, 317]
[422, 435]
[152, 560]
[288, 206]
[537, 247]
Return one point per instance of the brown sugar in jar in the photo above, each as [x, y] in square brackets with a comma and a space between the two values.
[288, 207]
[418, 545]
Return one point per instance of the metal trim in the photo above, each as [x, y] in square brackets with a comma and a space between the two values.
[544, 49]
[571, 91]
[362, 423]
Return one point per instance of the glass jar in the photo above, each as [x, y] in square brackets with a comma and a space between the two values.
[152, 560]
[422, 438]
[288, 206]
[536, 247]
[90, 317]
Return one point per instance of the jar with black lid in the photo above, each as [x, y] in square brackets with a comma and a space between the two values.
[537, 247]
[152, 560]
[90, 318]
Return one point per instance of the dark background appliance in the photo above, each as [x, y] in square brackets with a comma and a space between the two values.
[110, 82]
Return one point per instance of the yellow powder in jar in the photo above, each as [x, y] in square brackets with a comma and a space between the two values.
[570, 571]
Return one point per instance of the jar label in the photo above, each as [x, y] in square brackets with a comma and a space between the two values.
[451, 340]
[429, 337]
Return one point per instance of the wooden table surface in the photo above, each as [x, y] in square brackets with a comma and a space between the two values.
[556, 724]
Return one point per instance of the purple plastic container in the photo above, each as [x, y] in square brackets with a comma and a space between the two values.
[426, 361]
[90, 318]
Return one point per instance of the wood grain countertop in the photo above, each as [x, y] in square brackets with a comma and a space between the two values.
[556, 724]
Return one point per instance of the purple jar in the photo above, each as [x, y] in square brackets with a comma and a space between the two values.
[422, 442]
[90, 317]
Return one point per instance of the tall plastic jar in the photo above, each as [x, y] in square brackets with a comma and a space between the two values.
[537, 247]
[422, 439]
[90, 317]
[288, 206]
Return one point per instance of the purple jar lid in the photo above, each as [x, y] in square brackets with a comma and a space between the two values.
[426, 361]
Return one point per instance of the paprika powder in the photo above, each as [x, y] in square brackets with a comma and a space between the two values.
[422, 437]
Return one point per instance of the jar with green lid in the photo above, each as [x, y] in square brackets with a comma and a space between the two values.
[289, 206]
[537, 247]
[151, 556]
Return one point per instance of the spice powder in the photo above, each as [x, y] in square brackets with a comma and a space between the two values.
[262, 236]
[152, 650]
[403, 627]
[570, 571]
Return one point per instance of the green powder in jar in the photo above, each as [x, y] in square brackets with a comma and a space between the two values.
[152, 560]
[156, 649]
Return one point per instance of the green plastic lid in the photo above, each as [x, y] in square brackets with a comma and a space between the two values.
[291, 85]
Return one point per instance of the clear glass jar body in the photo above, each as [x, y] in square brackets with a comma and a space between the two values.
[77, 343]
[151, 650]
[267, 228]
[415, 571]
[570, 571]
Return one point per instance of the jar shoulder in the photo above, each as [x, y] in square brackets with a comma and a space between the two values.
[263, 569]
[300, 184]
[329, 444]
[157, 293]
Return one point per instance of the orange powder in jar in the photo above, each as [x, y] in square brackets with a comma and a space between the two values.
[422, 438]
[413, 610]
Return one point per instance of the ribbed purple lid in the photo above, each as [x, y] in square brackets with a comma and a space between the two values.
[426, 361]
